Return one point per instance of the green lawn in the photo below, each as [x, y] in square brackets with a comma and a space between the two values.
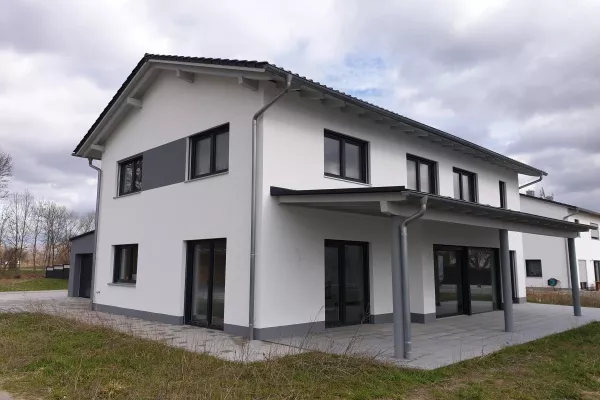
[48, 357]
[14, 285]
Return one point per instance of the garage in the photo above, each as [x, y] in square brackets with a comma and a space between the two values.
[82, 258]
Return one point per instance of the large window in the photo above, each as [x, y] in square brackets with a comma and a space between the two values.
[345, 157]
[130, 176]
[533, 268]
[464, 185]
[420, 174]
[594, 231]
[209, 152]
[502, 187]
[125, 268]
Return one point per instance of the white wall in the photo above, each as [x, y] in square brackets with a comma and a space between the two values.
[290, 256]
[162, 219]
[553, 251]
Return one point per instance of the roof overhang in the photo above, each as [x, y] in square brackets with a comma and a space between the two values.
[398, 201]
[249, 73]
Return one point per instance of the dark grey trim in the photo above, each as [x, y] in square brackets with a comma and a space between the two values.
[149, 316]
[414, 317]
[236, 330]
[520, 300]
[82, 235]
[288, 330]
[164, 165]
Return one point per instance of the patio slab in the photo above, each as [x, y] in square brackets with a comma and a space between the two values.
[447, 340]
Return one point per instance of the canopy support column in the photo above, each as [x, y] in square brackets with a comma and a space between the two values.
[574, 277]
[507, 300]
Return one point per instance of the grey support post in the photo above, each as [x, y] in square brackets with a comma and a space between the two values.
[397, 289]
[574, 277]
[507, 300]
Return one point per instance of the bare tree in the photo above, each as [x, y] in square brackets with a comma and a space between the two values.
[5, 173]
[36, 230]
[86, 222]
[19, 209]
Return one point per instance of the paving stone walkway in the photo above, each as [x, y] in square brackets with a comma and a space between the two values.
[443, 342]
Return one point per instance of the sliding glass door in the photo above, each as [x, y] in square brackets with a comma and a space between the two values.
[205, 291]
[346, 283]
[448, 281]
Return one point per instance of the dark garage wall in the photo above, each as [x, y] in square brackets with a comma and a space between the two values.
[82, 244]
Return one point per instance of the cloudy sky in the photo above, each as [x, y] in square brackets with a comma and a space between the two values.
[520, 77]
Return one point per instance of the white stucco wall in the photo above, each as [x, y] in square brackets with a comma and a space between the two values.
[290, 256]
[162, 219]
[553, 251]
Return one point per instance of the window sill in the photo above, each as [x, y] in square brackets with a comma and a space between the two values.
[127, 195]
[122, 284]
[346, 180]
[206, 177]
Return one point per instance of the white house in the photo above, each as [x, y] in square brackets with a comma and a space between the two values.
[546, 257]
[239, 196]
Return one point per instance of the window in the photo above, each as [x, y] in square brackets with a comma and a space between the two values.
[464, 185]
[125, 268]
[209, 152]
[420, 174]
[345, 157]
[130, 176]
[533, 268]
[594, 231]
[578, 233]
[502, 187]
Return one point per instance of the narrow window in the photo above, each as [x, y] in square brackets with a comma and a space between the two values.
[502, 188]
[345, 157]
[464, 185]
[594, 231]
[578, 233]
[130, 176]
[209, 152]
[533, 268]
[125, 266]
[420, 174]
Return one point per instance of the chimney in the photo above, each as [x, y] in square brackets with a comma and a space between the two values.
[530, 193]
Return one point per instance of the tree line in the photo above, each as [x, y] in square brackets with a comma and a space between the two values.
[35, 232]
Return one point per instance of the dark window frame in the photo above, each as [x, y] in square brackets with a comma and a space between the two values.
[211, 133]
[502, 191]
[364, 152]
[578, 233]
[473, 184]
[432, 172]
[530, 274]
[122, 168]
[597, 237]
[117, 262]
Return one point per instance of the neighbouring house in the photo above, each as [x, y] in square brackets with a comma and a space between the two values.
[546, 258]
[239, 196]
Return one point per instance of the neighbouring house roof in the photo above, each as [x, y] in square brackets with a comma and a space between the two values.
[368, 201]
[82, 235]
[569, 206]
[385, 117]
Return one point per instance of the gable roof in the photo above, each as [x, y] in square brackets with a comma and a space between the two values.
[425, 131]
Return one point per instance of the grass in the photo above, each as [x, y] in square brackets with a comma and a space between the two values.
[30, 284]
[49, 357]
[562, 297]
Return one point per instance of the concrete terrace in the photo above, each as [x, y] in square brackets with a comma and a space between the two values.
[443, 342]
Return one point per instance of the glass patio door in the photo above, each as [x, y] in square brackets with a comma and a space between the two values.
[205, 294]
[346, 283]
[448, 281]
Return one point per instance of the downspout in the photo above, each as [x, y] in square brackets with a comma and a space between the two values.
[532, 182]
[259, 113]
[98, 184]
[404, 284]
[567, 247]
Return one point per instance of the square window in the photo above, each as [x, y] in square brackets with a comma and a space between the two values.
[420, 174]
[533, 268]
[594, 231]
[125, 265]
[209, 152]
[130, 176]
[465, 185]
[345, 157]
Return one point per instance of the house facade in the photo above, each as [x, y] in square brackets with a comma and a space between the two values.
[290, 233]
[546, 257]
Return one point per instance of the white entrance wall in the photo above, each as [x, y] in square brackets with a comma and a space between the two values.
[162, 219]
[290, 253]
